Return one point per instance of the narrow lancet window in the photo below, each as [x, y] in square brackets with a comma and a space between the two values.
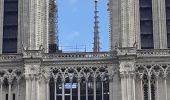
[146, 24]
[10, 26]
[168, 21]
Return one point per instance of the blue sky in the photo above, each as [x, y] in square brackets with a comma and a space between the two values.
[76, 22]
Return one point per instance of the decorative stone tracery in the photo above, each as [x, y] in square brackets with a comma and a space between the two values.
[150, 75]
[9, 82]
[79, 73]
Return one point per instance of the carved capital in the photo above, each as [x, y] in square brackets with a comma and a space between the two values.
[111, 77]
[78, 80]
[63, 80]
[47, 80]
[1, 80]
[126, 66]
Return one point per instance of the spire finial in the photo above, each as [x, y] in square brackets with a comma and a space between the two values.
[96, 47]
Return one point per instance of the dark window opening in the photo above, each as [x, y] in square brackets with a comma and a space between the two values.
[10, 26]
[145, 3]
[168, 21]
[146, 24]
[146, 87]
[74, 86]
[6, 96]
[14, 96]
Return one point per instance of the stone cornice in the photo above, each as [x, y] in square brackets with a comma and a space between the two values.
[80, 56]
[124, 54]
[11, 65]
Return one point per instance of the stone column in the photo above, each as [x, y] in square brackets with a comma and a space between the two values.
[79, 94]
[94, 88]
[33, 89]
[38, 24]
[18, 87]
[149, 88]
[155, 19]
[128, 23]
[1, 90]
[161, 14]
[27, 78]
[63, 89]
[111, 87]
[37, 88]
[87, 89]
[20, 24]
[129, 87]
[102, 91]
[9, 92]
[124, 87]
[124, 23]
[102, 76]
[134, 87]
[127, 72]
[48, 89]
[1, 86]
[32, 64]
[71, 91]
[55, 89]
[157, 87]
[25, 24]
[139, 87]
[141, 84]
[159, 24]
[115, 29]
[9, 89]
[165, 87]
[137, 19]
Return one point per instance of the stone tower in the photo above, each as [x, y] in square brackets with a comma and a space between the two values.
[140, 24]
[31, 28]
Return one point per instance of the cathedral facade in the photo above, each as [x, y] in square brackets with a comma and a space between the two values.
[136, 67]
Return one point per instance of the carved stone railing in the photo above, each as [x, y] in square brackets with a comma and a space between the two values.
[153, 52]
[10, 57]
[126, 51]
[32, 53]
[83, 55]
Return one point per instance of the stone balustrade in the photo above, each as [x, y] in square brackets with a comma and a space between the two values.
[84, 55]
[154, 52]
[32, 54]
[79, 55]
[10, 57]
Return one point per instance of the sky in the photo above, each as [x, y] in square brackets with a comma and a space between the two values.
[76, 22]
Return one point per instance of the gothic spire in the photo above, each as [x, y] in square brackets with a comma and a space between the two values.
[96, 47]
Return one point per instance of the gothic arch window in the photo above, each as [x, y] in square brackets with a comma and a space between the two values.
[149, 87]
[146, 24]
[79, 83]
[147, 81]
